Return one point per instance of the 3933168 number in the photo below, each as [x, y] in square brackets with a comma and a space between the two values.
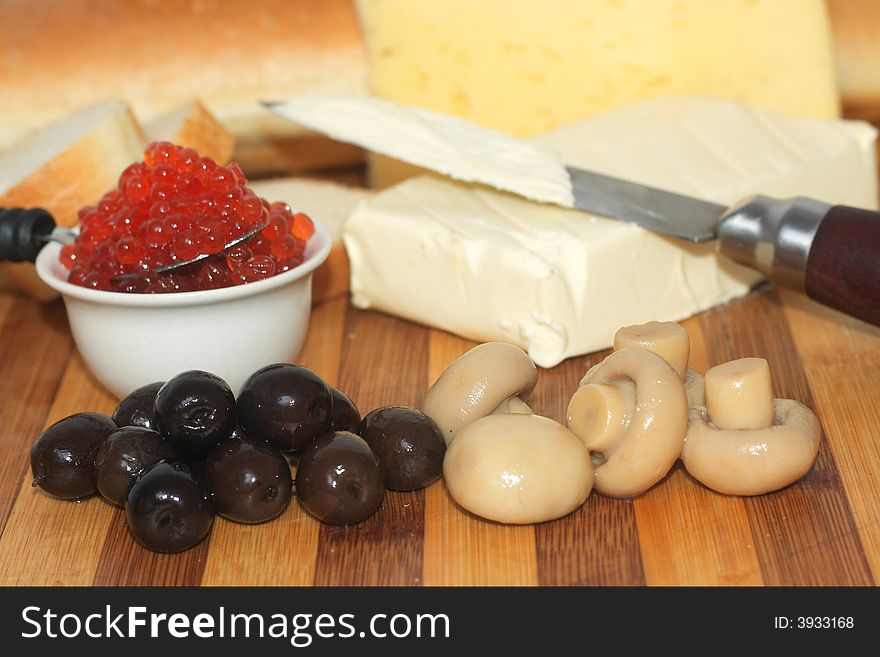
[824, 622]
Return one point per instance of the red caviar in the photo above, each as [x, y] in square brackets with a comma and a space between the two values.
[173, 207]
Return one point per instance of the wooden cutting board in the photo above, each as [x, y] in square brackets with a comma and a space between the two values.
[824, 529]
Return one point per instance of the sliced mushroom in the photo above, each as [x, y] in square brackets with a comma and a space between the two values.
[478, 384]
[518, 469]
[666, 339]
[752, 461]
[652, 439]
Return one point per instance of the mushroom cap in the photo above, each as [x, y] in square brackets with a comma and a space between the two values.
[752, 461]
[655, 435]
[518, 469]
[477, 383]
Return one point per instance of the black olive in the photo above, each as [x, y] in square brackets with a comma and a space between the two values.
[345, 416]
[338, 479]
[138, 408]
[195, 410]
[168, 509]
[408, 444]
[288, 405]
[250, 480]
[63, 456]
[124, 455]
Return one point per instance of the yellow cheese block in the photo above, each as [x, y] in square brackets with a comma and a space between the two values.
[523, 66]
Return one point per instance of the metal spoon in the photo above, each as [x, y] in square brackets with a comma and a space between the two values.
[23, 232]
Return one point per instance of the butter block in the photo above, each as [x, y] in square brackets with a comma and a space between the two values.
[491, 266]
[557, 282]
[524, 67]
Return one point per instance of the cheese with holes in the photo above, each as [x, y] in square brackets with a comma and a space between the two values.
[557, 282]
[524, 67]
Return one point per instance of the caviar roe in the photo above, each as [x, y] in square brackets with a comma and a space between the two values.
[173, 207]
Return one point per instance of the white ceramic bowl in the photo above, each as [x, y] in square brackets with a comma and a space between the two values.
[130, 340]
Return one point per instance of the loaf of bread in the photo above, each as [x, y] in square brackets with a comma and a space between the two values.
[856, 28]
[58, 57]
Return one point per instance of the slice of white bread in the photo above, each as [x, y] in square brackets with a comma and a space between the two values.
[194, 126]
[71, 163]
[329, 203]
[65, 166]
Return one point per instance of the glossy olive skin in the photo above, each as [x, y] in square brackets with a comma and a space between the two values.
[63, 456]
[240, 434]
[288, 405]
[338, 479]
[250, 480]
[168, 509]
[124, 456]
[408, 444]
[345, 415]
[138, 408]
[195, 410]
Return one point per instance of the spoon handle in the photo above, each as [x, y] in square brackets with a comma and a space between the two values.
[23, 232]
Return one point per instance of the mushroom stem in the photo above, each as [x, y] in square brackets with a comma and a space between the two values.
[599, 413]
[739, 394]
[666, 339]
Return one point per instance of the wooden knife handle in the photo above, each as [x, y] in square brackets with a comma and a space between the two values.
[843, 267]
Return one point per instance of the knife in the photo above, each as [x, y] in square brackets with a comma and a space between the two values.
[830, 253]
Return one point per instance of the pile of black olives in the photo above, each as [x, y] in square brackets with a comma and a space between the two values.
[176, 453]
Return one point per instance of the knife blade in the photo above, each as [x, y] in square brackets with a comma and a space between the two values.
[655, 209]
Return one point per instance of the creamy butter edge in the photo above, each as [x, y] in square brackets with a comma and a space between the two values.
[557, 282]
[449, 145]
[491, 266]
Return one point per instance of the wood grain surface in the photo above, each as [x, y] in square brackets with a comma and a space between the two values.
[825, 529]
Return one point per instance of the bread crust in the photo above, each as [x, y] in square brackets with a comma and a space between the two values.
[194, 126]
[157, 54]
